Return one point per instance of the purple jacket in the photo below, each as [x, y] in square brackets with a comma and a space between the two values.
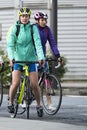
[46, 34]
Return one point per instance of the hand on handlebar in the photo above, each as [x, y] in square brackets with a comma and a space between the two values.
[11, 63]
[60, 59]
[60, 62]
[42, 63]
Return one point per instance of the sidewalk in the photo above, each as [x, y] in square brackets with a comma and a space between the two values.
[24, 124]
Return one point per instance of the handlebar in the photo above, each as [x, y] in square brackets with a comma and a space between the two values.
[51, 59]
[31, 62]
[37, 62]
[55, 60]
[26, 62]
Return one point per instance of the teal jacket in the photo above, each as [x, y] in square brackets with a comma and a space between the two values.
[21, 48]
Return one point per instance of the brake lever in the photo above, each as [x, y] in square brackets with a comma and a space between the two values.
[58, 65]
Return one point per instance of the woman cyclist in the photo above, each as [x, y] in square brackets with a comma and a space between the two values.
[21, 48]
[46, 35]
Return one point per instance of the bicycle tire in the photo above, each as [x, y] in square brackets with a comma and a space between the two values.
[17, 107]
[20, 110]
[55, 94]
[1, 93]
[28, 96]
[13, 115]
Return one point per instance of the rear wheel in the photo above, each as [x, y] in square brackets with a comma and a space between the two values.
[1, 93]
[51, 94]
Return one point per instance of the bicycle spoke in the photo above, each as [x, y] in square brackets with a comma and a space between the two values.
[51, 95]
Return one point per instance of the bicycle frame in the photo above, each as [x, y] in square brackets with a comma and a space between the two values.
[24, 92]
[23, 85]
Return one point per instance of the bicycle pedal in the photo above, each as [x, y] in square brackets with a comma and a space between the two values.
[51, 94]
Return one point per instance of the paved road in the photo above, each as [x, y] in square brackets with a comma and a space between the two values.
[21, 124]
[72, 115]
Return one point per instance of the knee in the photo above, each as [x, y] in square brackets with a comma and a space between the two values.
[34, 85]
[15, 84]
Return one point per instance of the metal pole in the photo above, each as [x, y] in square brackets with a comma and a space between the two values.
[54, 26]
[54, 18]
[20, 4]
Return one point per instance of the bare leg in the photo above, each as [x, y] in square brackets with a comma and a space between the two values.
[35, 86]
[47, 91]
[15, 82]
[48, 100]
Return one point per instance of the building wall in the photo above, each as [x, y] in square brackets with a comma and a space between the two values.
[68, 3]
[7, 18]
[72, 40]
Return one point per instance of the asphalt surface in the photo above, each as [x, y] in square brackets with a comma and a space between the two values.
[72, 116]
[22, 124]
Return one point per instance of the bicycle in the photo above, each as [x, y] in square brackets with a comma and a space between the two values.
[50, 88]
[1, 85]
[24, 92]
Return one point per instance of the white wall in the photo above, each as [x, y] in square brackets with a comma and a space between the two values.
[72, 37]
[7, 17]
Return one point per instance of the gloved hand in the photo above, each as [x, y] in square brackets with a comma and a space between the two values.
[42, 63]
[60, 59]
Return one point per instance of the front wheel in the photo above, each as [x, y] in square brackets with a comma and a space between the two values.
[51, 94]
[13, 115]
[28, 96]
[18, 106]
[1, 93]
